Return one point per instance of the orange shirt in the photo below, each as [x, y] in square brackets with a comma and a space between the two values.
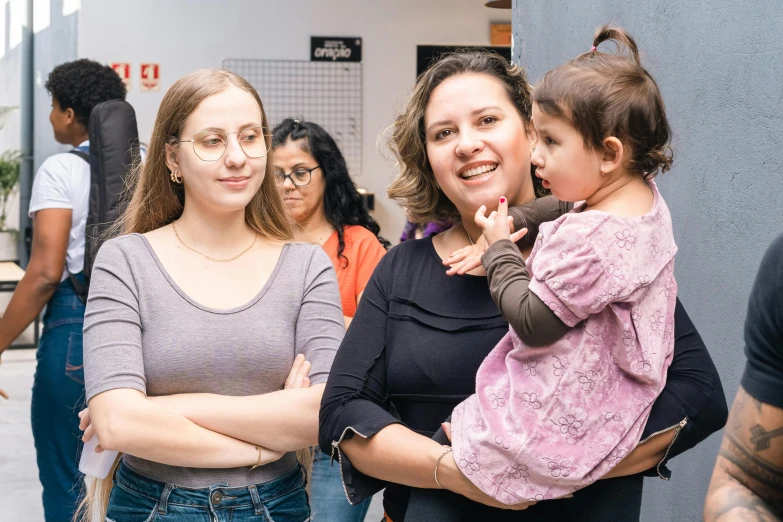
[363, 251]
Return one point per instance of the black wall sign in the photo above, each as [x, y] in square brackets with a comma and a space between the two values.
[426, 55]
[335, 49]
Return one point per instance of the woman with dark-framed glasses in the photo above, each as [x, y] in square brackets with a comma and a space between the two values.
[319, 194]
[208, 334]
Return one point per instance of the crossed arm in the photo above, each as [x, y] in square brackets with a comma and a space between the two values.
[747, 482]
[284, 420]
[206, 430]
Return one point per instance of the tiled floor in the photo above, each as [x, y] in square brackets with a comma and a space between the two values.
[20, 500]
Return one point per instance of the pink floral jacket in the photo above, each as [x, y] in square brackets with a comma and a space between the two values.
[547, 421]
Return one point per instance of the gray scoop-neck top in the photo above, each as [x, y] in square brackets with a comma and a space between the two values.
[141, 331]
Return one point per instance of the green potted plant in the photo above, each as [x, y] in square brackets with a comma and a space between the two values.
[9, 184]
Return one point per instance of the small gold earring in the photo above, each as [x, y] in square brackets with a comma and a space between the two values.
[176, 177]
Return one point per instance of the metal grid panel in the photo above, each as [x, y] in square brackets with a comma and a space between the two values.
[326, 93]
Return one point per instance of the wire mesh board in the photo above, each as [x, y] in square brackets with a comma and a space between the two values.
[326, 93]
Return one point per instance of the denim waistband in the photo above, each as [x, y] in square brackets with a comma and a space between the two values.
[215, 497]
[64, 307]
[66, 288]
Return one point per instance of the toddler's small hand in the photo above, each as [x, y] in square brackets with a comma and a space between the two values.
[498, 225]
[446, 429]
[467, 258]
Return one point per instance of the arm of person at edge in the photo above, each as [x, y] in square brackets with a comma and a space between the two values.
[47, 261]
[747, 482]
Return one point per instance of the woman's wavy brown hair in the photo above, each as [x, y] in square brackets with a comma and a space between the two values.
[603, 94]
[414, 187]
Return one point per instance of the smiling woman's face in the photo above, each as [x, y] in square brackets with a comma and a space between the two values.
[229, 183]
[477, 144]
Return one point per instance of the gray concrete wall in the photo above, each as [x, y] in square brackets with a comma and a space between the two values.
[719, 67]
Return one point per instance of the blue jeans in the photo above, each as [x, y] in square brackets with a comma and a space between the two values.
[327, 496]
[58, 395]
[137, 498]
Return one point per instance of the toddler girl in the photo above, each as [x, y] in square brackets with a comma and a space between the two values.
[566, 394]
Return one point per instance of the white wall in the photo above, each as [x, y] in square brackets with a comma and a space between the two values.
[184, 35]
[56, 25]
[13, 19]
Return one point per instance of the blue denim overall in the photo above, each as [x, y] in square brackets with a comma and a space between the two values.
[58, 395]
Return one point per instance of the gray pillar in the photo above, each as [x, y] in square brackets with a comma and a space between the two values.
[27, 121]
[718, 65]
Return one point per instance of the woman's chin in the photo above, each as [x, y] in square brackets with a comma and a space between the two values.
[232, 203]
[488, 195]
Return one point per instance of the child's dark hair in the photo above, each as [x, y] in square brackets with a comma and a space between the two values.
[604, 95]
[82, 84]
[343, 205]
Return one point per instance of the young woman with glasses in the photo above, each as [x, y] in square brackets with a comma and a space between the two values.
[319, 194]
[198, 323]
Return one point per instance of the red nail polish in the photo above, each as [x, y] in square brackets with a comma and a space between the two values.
[502, 200]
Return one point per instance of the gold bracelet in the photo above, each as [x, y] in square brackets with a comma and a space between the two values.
[437, 463]
[258, 462]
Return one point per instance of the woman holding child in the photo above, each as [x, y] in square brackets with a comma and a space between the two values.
[420, 336]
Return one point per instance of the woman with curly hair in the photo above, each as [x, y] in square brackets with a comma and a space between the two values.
[411, 355]
[58, 208]
[321, 197]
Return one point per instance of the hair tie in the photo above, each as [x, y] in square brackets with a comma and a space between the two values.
[592, 48]
[296, 124]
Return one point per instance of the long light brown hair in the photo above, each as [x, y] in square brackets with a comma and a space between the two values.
[157, 201]
[414, 187]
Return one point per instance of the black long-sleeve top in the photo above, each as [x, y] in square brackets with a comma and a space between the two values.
[415, 345]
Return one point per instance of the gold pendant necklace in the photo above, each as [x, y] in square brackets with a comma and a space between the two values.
[255, 237]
